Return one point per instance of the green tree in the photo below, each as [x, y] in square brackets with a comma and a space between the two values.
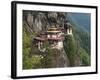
[70, 49]
[85, 57]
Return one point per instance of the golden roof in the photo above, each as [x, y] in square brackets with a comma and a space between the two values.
[53, 30]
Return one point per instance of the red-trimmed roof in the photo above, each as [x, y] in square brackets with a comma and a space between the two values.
[39, 38]
[56, 39]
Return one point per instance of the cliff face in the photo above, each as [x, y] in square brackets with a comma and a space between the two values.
[59, 59]
[36, 22]
[41, 21]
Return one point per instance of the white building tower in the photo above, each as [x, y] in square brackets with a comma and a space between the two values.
[68, 28]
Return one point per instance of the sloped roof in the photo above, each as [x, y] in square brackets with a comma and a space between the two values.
[39, 39]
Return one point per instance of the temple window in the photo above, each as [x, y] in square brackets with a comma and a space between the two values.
[48, 36]
[54, 36]
[51, 42]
